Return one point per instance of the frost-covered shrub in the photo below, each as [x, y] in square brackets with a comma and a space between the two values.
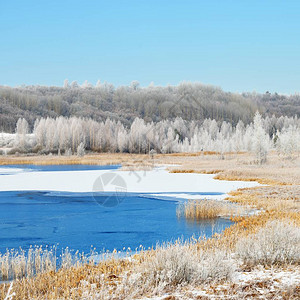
[275, 243]
[176, 265]
[172, 266]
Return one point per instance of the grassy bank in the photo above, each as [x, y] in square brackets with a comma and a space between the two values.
[92, 159]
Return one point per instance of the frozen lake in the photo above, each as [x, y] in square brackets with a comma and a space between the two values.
[80, 206]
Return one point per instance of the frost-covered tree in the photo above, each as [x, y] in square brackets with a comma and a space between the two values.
[167, 136]
[288, 141]
[81, 149]
[98, 84]
[40, 132]
[86, 85]
[66, 84]
[68, 152]
[22, 129]
[189, 101]
[260, 140]
[74, 84]
[238, 137]
[134, 85]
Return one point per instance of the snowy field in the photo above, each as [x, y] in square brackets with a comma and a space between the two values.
[156, 181]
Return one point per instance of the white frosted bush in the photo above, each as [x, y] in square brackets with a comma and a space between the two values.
[176, 265]
[275, 243]
[172, 266]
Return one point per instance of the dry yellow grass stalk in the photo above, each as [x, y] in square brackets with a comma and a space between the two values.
[207, 209]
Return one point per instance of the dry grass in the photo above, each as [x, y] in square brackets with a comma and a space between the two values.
[16, 264]
[236, 176]
[216, 171]
[181, 154]
[174, 265]
[208, 209]
[203, 153]
[137, 165]
[67, 283]
[238, 167]
[91, 159]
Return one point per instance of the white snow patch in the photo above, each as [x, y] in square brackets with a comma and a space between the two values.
[192, 197]
[155, 181]
[280, 277]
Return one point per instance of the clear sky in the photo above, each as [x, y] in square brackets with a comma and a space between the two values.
[237, 45]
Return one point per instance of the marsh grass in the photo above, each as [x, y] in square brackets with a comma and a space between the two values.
[16, 264]
[71, 282]
[88, 159]
[173, 265]
[214, 171]
[207, 209]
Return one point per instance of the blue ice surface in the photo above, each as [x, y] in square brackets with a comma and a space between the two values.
[80, 220]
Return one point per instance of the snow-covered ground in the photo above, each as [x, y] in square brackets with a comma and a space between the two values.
[155, 181]
[260, 283]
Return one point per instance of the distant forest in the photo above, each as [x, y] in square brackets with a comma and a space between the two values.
[190, 101]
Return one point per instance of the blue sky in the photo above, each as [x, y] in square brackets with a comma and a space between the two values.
[237, 45]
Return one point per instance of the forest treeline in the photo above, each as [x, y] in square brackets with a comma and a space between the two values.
[189, 101]
[67, 136]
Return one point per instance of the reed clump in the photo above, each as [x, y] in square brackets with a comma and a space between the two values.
[207, 209]
[17, 263]
[70, 283]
